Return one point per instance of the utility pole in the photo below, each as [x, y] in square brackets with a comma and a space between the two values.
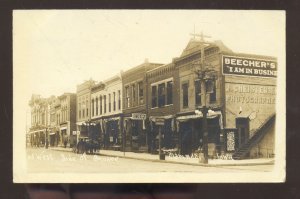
[205, 75]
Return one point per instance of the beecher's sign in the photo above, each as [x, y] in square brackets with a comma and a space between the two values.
[249, 67]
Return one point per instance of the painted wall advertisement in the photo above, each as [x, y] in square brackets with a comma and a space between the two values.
[249, 67]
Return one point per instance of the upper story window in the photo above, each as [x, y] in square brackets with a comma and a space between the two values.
[119, 99]
[114, 103]
[104, 98]
[133, 93]
[211, 89]
[127, 97]
[154, 96]
[109, 102]
[161, 94]
[79, 107]
[169, 92]
[101, 105]
[198, 92]
[140, 93]
[185, 95]
[87, 108]
[93, 108]
[97, 106]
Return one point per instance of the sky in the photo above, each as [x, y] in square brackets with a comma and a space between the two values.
[55, 50]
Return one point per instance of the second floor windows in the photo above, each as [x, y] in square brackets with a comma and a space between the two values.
[104, 103]
[97, 106]
[140, 93]
[198, 92]
[154, 96]
[114, 97]
[119, 99]
[185, 95]
[127, 97]
[109, 102]
[162, 94]
[100, 105]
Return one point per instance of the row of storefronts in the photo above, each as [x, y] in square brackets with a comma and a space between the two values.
[122, 112]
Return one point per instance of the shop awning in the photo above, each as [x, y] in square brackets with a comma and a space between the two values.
[63, 128]
[51, 133]
[210, 115]
[112, 119]
[153, 118]
[31, 132]
[80, 123]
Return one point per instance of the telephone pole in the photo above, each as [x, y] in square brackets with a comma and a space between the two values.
[205, 75]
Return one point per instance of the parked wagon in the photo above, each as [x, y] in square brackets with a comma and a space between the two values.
[87, 145]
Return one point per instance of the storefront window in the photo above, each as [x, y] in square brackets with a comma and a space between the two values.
[161, 94]
[154, 96]
[185, 95]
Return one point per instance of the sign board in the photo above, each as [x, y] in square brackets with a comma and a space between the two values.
[74, 132]
[138, 116]
[160, 121]
[243, 66]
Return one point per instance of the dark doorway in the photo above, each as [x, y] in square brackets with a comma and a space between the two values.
[242, 133]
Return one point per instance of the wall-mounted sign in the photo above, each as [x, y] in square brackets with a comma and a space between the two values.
[138, 116]
[160, 121]
[248, 66]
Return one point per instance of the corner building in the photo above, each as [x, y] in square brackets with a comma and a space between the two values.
[240, 101]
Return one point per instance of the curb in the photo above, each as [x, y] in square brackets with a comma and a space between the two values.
[174, 162]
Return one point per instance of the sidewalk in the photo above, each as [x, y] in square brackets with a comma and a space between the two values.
[177, 159]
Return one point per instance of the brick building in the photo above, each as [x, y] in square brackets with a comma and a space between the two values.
[163, 102]
[135, 107]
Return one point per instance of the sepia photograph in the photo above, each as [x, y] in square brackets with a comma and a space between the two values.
[142, 96]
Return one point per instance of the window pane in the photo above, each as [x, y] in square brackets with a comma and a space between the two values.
[169, 92]
[198, 92]
[185, 95]
[141, 93]
[154, 96]
[161, 94]
[213, 95]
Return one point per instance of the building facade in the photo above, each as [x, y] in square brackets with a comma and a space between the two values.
[67, 119]
[135, 107]
[40, 120]
[106, 107]
[163, 102]
[83, 105]
[237, 90]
